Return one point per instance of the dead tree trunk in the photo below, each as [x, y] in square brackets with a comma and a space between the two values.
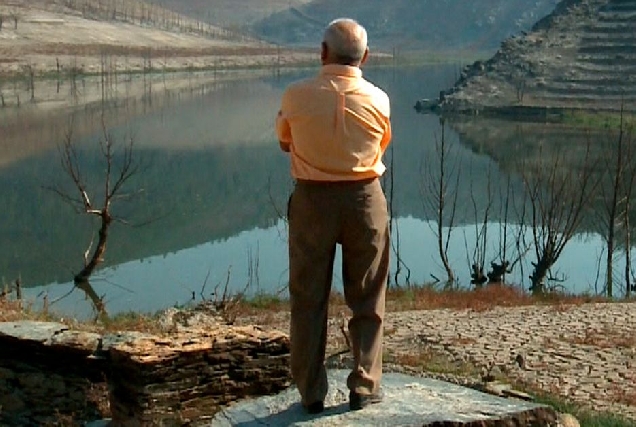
[113, 183]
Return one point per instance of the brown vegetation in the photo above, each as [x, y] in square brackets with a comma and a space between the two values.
[430, 361]
[268, 310]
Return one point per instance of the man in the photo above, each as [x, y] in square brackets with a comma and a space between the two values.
[336, 128]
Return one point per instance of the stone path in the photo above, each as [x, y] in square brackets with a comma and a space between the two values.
[586, 353]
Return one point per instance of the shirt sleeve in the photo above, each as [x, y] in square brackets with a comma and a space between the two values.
[283, 130]
[388, 134]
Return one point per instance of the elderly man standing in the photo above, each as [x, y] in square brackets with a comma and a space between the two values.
[336, 128]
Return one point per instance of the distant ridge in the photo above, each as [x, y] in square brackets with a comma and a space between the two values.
[581, 56]
[417, 24]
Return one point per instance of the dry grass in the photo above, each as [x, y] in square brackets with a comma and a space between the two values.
[430, 361]
[269, 310]
[10, 310]
[486, 298]
[618, 394]
[606, 338]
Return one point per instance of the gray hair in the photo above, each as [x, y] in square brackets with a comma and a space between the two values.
[346, 40]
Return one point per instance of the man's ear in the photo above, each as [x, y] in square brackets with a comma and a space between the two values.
[365, 56]
[324, 52]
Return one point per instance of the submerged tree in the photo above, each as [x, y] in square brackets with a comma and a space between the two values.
[477, 259]
[512, 246]
[612, 213]
[439, 194]
[388, 183]
[629, 188]
[118, 170]
[558, 194]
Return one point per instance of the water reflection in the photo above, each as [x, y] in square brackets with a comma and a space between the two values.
[258, 258]
[215, 186]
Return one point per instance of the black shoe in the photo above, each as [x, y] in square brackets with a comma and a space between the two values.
[315, 408]
[358, 401]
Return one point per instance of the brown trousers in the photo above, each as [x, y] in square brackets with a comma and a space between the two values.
[321, 215]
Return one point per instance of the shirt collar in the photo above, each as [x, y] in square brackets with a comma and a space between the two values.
[341, 70]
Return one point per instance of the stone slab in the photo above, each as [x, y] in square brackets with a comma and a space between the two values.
[31, 330]
[408, 401]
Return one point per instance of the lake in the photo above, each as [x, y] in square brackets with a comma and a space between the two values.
[207, 202]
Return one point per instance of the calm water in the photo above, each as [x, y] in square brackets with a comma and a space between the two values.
[214, 184]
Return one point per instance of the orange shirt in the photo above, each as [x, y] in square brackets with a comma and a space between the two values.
[335, 126]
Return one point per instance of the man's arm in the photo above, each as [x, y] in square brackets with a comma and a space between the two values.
[283, 130]
[388, 134]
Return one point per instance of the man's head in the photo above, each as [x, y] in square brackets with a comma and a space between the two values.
[344, 42]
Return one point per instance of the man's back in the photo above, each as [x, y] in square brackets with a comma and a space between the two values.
[339, 125]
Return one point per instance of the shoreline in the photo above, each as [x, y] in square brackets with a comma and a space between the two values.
[576, 351]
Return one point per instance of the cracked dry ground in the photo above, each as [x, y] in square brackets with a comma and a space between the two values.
[585, 353]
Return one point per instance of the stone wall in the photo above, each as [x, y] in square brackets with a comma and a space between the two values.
[188, 378]
[50, 375]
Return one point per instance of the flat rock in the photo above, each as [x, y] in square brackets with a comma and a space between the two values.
[408, 401]
[31, 330]
[27, 332]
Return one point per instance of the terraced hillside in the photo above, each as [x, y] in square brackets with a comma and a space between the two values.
[581, 56]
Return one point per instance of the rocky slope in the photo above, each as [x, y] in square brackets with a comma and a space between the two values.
[580, 56]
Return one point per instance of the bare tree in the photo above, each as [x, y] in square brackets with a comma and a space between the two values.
[477, 260]
[558, 193]
[29, 71]
[519, 80]
[439, 196]
[388, 183]
[118, 171]
[15, 16]
[628, 192]
[512, 245]
[614, 195]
